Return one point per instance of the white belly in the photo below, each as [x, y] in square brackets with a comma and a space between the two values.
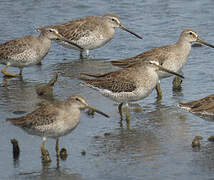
[87, 43]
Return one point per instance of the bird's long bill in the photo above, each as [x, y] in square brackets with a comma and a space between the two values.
[205, 43]
[124, 28]
[168, 71]
[97, 111]
[70, 42]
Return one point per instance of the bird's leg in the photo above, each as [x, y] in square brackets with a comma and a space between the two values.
[87, 53]
[177, 83]
[57, 147]
[45, 154]
[43, 150]
[20, 71]
[159, 91]
[86, 56]
[120, 111]
[81, 55]
[127, 115]
[7, 73]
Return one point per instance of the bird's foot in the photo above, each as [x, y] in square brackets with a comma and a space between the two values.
[7, 74]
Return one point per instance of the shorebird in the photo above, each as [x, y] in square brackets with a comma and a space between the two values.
[127, 85]
[54, 120]
[28, 50]
[89, 32]
[204, 106]
[172, 57]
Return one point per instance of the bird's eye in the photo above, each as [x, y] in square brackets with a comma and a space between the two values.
[113, 19]
[190, 33]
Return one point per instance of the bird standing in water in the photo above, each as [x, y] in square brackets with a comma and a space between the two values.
[89, 32]
[127, 85]
[54, 120]
[28, 50]
[172, 57]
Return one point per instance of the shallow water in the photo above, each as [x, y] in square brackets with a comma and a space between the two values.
[158, 143]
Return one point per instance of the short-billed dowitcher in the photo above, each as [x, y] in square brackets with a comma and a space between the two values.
[54, 120]
[127, 85]
[172, 57]
[28, 50]
[89, 32]
[204, 106]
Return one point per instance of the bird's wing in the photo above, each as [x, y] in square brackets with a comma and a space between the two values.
[44, 115]
[157, 54]
[201, 104]
[118, 81]
[76, 29]
[96, 75]
[14, 47]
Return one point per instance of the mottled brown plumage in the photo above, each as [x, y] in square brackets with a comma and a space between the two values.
[54, 120]
[118, 81]
[204, 106]
[28, 50]
[159, 54]
[172, 57]
[89, 32]
[126, 85]
[44, 115]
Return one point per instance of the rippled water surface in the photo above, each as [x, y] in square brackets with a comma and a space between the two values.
[158, 143]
